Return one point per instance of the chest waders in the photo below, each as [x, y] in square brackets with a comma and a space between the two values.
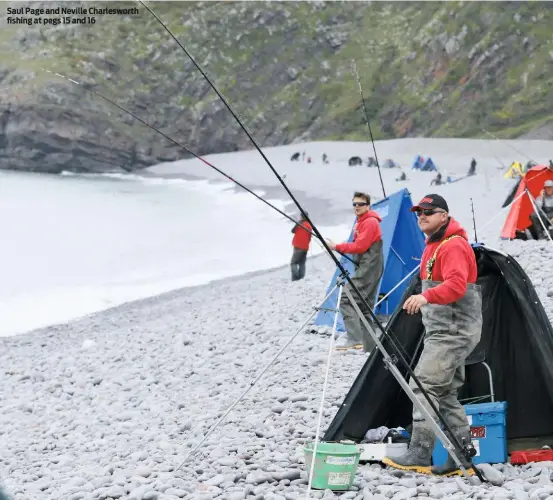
[452, 332]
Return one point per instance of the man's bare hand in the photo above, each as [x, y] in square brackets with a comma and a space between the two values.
[331, 244]
[414, 303]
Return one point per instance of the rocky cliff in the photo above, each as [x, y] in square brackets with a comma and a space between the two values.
[438, 69]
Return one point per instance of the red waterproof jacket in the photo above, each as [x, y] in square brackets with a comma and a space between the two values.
[302, 238]
[365, 233]
[455, 266]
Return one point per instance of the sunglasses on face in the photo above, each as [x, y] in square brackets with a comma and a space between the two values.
[359, 204]
[428, 212]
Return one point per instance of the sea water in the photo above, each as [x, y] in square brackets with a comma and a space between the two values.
[75, 244]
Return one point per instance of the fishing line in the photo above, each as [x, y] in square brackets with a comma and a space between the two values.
[345, 274]
[182, 146]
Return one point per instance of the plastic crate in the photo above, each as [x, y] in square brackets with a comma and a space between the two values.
[488, 422]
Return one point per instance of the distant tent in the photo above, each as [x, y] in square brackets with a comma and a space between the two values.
[518, 218]
[517, 341]
[403, 245]
[515, 170]
[389, 163]
[417, 162]
[426, 165]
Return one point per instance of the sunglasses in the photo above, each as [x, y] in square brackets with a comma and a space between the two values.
[428, 212]
[359, 203]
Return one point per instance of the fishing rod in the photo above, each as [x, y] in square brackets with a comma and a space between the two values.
[345, 274]
[107, 99]
[507, 144]
[473, 221]
[356, 74]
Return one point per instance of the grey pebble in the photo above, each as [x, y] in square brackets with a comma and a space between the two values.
[116, 492]
[491, 474]
[175, 492]
[462, 485]
[216, 480]
[408, 482]
[79, 495]
[348, 494]
[143, 472]
[367, 494]
[531, 472]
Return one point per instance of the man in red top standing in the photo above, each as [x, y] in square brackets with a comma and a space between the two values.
[300, 243]
[368, 255]
[451, 307]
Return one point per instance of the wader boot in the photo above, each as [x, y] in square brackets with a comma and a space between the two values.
[450, 467]
[418, 457]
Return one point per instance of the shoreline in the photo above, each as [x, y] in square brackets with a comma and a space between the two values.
[65, 315]
[312, 204]
[152, 299]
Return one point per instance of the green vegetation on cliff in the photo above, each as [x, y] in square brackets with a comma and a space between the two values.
[443, 69]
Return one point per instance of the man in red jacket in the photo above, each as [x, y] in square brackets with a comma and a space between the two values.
[451, 307]
[300, 243]
[368, 255]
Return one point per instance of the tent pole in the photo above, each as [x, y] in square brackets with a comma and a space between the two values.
[507, 144]
[537, 210]
[390, 364]
[395, 287]
[254, 381]
[500, 212]
[321, 408]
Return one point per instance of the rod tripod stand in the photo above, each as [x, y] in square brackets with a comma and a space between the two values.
[467, 450]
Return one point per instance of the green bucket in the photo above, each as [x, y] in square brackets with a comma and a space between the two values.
[335, 465]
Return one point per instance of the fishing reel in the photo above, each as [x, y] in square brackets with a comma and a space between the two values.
[469, 450]
[341, 280]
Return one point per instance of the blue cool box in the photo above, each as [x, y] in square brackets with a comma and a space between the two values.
[488, 423]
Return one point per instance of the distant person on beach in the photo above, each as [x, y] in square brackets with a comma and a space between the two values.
[300, 244]
[472, 169]
[368, 256]
[437, 181]
[402, 177]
